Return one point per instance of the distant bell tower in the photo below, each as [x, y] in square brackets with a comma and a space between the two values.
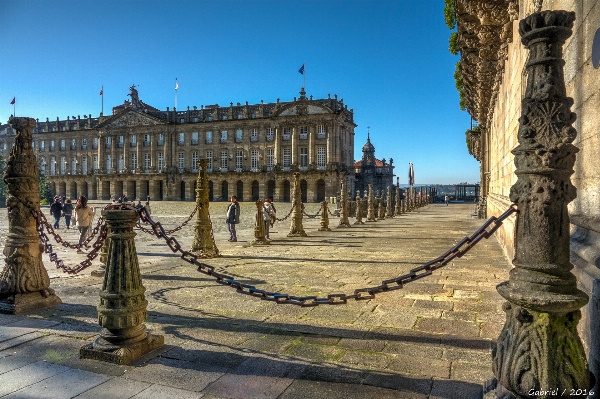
[368, 150]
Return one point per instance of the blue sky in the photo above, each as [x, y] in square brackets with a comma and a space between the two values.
[388, 60]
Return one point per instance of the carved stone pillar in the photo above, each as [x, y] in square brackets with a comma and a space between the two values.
[398, 207]
[24, 282]
[370, 205]
[203, 238]
[359, 209]
[296, 228]
[344, 222]
[324, 217]
[122, 308]
[538, 348]
[388, 208]
[259, 226]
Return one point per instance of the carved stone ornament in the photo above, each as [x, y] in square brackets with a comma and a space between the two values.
[324, 222]
[203, 238]
[344, 222]
[371, 205]
[296, 227]
[24, 281]
[259, 225]
[539, 347]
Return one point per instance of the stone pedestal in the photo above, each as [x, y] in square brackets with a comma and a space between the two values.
[398, 207]
[371, 205]
[122, 308]
[359, 210]
[204, 242]
[24, 282]
[539, 348]
[388, 207]
[324, 217]
[344, 222]
[259, 226]
[296, 227]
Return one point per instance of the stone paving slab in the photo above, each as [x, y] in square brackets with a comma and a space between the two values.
[29, 374]
[432, 339]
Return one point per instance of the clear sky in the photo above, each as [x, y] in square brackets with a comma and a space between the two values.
[388, 60]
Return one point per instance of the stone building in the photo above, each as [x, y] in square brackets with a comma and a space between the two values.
[253, 150]
[370, 170]
[493, 67]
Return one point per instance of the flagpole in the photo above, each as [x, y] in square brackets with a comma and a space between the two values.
[304, 74]
[102, 91]
[176, 87]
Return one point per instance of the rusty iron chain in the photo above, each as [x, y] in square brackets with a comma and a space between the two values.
[145, 230]
[172, 243]
[426, 269]
[312, 216]
[50, 229]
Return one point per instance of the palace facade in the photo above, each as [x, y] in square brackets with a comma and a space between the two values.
[252, 150]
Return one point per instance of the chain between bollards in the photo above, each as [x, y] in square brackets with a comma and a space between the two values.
[148, 231]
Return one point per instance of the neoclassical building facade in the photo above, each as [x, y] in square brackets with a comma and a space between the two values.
[252, 150]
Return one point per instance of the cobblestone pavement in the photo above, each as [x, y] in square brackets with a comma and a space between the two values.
[431, 339]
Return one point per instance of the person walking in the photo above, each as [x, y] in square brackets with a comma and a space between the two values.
[83, 219]
[268, 215]
[446, 200]
[56, 211]
[233, 218]
[68, 212]
[274, 216]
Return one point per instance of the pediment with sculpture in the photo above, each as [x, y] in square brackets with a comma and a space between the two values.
[130, 118]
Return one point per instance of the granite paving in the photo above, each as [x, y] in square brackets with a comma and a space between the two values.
[432, 339]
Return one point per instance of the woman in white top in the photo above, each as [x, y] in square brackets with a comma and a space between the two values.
[268, 213]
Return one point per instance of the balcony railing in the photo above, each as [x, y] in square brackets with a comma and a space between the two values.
[120, 145]
[253, 138]
[160, 142]
[194, 142]
[223, 141]
[209, 141]
[83, 147]
[303, 136]
[270, 137]
[238, 139]
[286, 137]
[133, 144]
[321, 135]
[146, 143]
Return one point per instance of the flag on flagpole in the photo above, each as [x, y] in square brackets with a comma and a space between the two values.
[176, 84]
[101, 91]
[301, 70]
[13, 101]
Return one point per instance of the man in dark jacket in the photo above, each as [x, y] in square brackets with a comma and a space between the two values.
[56, 211]
[233, 218]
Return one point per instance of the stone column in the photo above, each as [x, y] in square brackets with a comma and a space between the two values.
[259, 226]
[24, 282]
[122, 308]
[359, 209]
[539, 348]
[371, 205]
[203, 238]
[344, 222]
[381, 210]
[398, 207]
[324, 217]
[388, 209]
[296, 228]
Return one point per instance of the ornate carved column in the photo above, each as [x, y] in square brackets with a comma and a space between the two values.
[203, 237]
[370, 205]
[398, 208]
[122, 308]
[388, 208]
[324, 217]
[344, 222]
[259, 226]
[24, 282]
[539, 348]
[359, 209]
[296, 228]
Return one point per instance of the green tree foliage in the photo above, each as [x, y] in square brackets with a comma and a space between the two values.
[450, 14]
[468, 138]
[454, 49]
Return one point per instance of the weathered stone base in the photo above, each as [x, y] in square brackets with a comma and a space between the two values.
[297, 234]
[324, 229]
[257, 241]
[359, 222]
[99, 272]
[343, 225]
[23, 303]
[102, 350]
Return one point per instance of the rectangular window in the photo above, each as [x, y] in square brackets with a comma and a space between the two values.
[181, 120]
[84, 168]
[161, 161]
[270, 159]
[133, 141]
[73, 166]
[33, 145]
[254, 135]
[95, 162]
[287, 133]
[94, 143]
[321, 131]
[303, 157]
[121, 161]
[287, 157]
[161, 139]
[254, 160]
[73, 145]
[147, 140]
[133, 161]
[223, 161]
[270, 134]
[51, 145]
[84, 144]
[239, 158]
[209, 158]
[42, 145]
[108, 164]
[43, 169]
[238, 136]
[181, 140]
[303, 133]
[108, 142]
[321, 158]
[52, 166]
[121, 141]
[224, 136]
[194, 138]
[62, 145]
[195, 161]
[63, 166]
[208, 137]
[147, 162]
[181, 162]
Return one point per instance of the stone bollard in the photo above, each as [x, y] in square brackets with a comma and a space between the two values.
[539, 348]
[388, 209]
[101, 270]
[324, 217]
[122, 308]
[359, 211]
[259, 226]
[344, 222]
[398, 207]
[204, 242]
[381, 210]
[371, 205]
[296, 228]
[24, 282]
